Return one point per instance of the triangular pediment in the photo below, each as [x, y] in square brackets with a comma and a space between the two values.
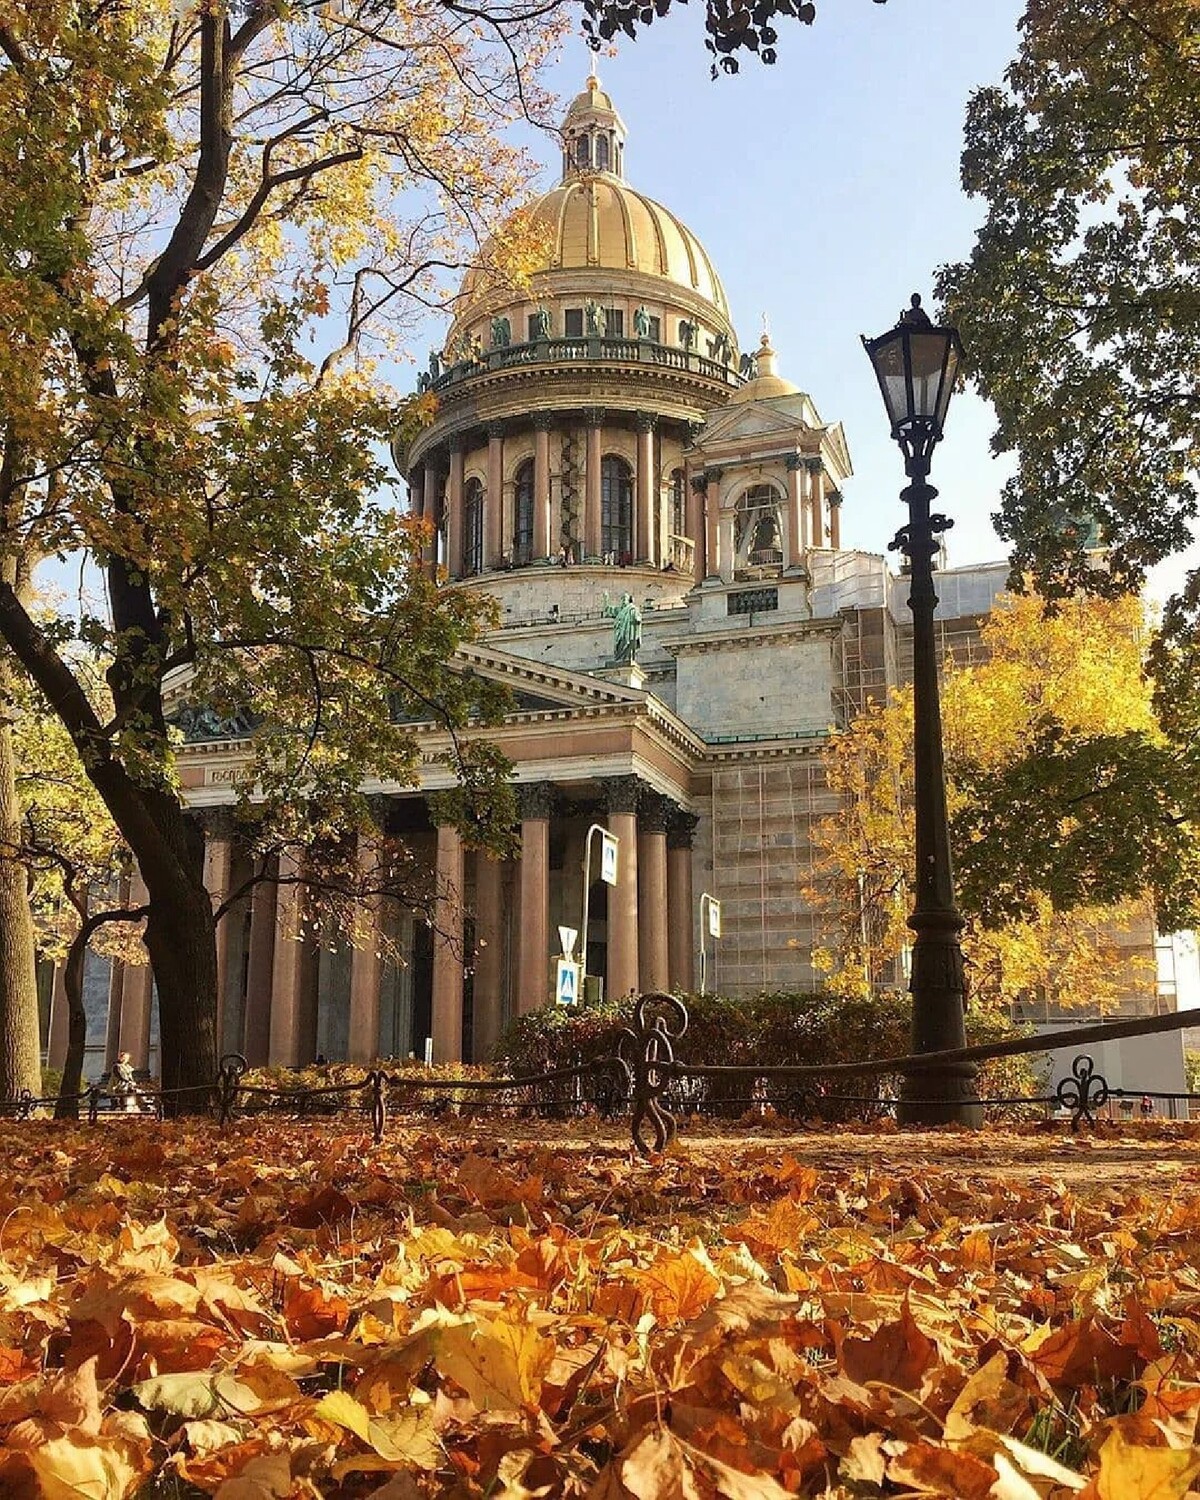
[756, 420]
[539, 687]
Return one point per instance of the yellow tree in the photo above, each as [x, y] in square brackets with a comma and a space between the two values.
[1069, 824]
[213, 218]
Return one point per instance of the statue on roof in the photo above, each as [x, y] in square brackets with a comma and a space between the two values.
[541, 323]
[641, 323]
[501, 333]
[597, 320]
[627, 629]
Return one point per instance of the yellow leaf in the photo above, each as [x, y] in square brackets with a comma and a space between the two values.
[340, 1408]
[498, 1363]
[74, 1466]
[1129, 1471]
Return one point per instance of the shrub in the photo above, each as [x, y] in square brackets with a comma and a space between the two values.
[772, 1029]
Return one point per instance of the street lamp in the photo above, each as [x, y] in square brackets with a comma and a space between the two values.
[916, 365]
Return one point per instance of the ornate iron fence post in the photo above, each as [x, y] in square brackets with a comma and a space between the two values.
[376, 1084]
[646, 1048]
[1083, 1092]
[93, 1103]
[233, 1067]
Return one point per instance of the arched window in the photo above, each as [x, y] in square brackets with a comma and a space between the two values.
[472, 558]
[602, 153]
[523, 514]
[758, 534]
[583, 151]
[616, 510]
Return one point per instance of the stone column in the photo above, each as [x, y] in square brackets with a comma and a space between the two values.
[259, 970]
[712, 523]
[533, 954]
[218, 861]
[454, 511]
[287, 967]
[446, 1024]
[652, 891]
[835, 519]
[543, 538]
[643, 537]
[816, 503]
[622, 792]
[594, 417]
[493, 505]
[430, 512]
[695, 521]
[796, 541]
[116, 987]
[363, 1040]
[58, 1029]
[489, 954]
[137, 994]
[681, 907]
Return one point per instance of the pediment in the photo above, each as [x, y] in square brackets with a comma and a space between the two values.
[539, 687]
[755, 420]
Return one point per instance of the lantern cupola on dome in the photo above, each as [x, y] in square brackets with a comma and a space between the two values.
[593, 133]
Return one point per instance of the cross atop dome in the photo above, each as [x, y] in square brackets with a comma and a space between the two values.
[593, 133]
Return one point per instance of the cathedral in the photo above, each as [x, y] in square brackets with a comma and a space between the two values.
[657, 515]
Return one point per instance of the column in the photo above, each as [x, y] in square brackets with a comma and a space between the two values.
[681, 906]
[446, 1025]
[454, 508]
[363, 1041]
[218, 862]
[58, 1033]
[493, 505]
[712, 523]
[116, 987]
[489, 954]
[533, 955]
[796, 540]
[695, 521]
[259, 968]
[430, 511]
[622, 794]
[643, 537]
[652, 892]
[835, 519]
[816, 503]
[287, 968]
[543, 537]
[594, 417]
[137, 994]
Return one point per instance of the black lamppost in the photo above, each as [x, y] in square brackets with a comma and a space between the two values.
[916, 365]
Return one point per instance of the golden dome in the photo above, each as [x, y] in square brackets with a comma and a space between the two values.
[766, 382]
[593, 97]
[597, 221]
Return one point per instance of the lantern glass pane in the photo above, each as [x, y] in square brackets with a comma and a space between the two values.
[928, 368]
[888, 359]
[948, 384]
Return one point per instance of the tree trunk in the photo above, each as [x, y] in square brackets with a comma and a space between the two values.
[20, 1043]
[67, 1107]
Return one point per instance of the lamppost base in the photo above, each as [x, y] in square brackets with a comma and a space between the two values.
[941, 1096]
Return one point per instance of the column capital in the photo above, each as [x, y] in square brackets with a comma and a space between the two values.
[441, 808]
[494, 430]
[713, 473]
[694, 429]
[535, 799]
[456, 444]
[215, 822]
[700, 483]
[594, 415]
[796, 461]
[379, 809]
[654, 811]
[814, 463]
[681, 831]
[544, 421]
[834, 497]
[622, 793]
[645, 421]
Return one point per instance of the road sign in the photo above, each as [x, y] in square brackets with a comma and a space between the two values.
[714, 918]
[608, 859]
[566, 982]
[567, 936]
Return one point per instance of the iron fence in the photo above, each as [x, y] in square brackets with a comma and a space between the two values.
[643, 1078]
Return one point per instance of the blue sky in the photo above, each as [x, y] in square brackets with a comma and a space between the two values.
[826, 190]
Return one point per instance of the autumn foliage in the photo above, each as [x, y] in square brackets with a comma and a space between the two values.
[279, 1311]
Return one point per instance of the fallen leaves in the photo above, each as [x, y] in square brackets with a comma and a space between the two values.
[269, 1314]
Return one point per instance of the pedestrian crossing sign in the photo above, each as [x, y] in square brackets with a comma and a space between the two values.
[566, 983]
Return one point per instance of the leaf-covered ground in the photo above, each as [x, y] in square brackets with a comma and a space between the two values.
[282, 1310]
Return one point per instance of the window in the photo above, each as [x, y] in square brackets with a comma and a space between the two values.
[573, 322]
[523, 514]
[616, 510]
[654, 333]
[472, 559]
[583, 151]
[614, 327]
[758, 534]
[678, 504]
[602, 153]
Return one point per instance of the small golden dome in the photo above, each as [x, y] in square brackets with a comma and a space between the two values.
[766, 382]
[593, 97]
[598, 221]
